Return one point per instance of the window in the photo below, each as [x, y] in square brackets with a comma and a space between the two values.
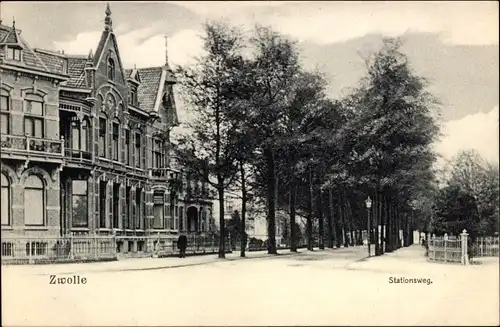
[203, 220]
[157, 153]
[5, 184]
[34, 200]
[4, 112]
[102, 137]
[14, 54]
[102, 204]
[75, 134]
[138, 208]
[178, 214]
[129, 219]
[132, 97]
[111, 69]
[116, 203]
[158, 211]
[181, 218]
[33, 118]
[79, 203]
[138, 150]
[127, 147]
[84, 145]
[116, 137]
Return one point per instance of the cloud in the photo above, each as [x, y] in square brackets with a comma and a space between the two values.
[477, 131]
[144, 47]
[458, 23]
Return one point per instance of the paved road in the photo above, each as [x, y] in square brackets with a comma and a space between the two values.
[321, 288]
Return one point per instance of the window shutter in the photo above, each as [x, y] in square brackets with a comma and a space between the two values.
[95, 130]
[122, 221]
[122, 146]
[166, 204]
[143, 206]
[133, 213]
[96, 204]
[145, 151]
[109, 202]
[132, 148]
[150, 160]
[109, 141]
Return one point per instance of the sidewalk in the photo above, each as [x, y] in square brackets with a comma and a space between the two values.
[134, 264]
[412, 260]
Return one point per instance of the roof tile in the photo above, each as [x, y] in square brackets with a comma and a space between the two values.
[150, 81]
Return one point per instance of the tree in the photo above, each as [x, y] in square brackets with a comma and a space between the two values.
[274, 65]
[211, 88]
[480, 179]
[456, 210]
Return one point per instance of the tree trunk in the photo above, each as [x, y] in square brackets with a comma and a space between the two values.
[398, 228]
[271, 201]
[243, 234]
[321, 228]
[310, 244]
[342, 220]
[329, 218]
[293, 232]
[382, 223]
[350, 219]
[375, 223]
[390, 222]
[222, 250]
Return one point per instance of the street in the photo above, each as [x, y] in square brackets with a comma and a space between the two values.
[330, 287]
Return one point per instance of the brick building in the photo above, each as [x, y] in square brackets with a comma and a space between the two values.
[85, 147]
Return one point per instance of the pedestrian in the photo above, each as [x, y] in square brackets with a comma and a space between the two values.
[181, 245]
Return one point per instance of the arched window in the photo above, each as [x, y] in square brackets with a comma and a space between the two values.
[111, 69]
[34, 201]
[5, 184]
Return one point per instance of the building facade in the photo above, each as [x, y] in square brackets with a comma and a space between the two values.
[85, 147]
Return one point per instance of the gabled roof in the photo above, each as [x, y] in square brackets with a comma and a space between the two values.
[30, 58]
[75, 66]
[133, 74]
[11, 37]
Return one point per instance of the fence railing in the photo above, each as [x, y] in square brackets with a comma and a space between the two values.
[486, 247]
[23, 143]
[57, 249]
[78, 248]
[196, 244]
[445, 249]
[459, 249]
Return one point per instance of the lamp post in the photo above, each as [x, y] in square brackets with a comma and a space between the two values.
[368, 203]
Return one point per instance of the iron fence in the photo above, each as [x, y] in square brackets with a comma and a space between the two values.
[166, 245]
[486, 247]
[57, 249]
[445, 249]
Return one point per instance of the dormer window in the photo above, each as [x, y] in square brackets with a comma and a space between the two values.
[14, 54]
[132, 97]
[111, 69]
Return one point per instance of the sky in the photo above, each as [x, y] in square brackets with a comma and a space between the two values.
[453, 44]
